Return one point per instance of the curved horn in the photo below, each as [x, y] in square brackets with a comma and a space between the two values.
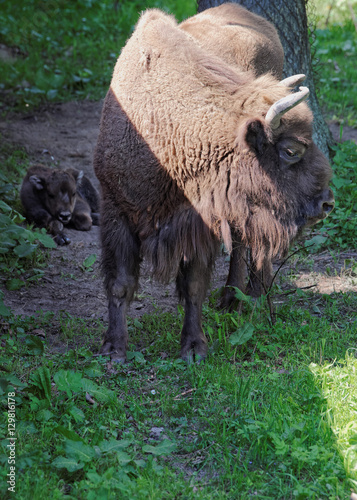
[292, 81]
[279, 108]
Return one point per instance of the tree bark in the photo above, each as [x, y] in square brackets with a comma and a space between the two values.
[290, 19]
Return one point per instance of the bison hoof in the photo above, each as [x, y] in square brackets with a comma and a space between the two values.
[192, 358]
[196, 352]
[229, 301]
[117, 355]
[62, 239]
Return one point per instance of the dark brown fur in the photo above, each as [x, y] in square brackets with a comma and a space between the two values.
[184, 155]
[54, 198]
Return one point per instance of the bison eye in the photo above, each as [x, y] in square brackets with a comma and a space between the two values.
[291, 152]
[288, 157]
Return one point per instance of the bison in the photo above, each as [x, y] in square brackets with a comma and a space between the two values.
[54, 198]
[191, 148]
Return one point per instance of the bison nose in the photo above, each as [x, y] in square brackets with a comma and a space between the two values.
[327, 207]
[327, 203]
[64, 217]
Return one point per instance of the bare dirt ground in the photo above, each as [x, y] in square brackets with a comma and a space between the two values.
[64, 135]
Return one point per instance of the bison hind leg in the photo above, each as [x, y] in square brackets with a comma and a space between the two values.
[236, 277]
[95, 218]
[259, 281]
[192, 283]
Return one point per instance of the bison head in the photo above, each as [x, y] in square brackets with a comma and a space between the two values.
[287, 175]
[57, 192]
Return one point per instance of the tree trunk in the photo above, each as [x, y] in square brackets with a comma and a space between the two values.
[290, 19]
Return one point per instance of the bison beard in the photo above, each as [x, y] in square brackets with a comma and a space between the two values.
[190, 150]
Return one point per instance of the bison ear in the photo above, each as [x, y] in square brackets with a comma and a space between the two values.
[80, 177]
[76, 174]
[37, 182]
[252, 135]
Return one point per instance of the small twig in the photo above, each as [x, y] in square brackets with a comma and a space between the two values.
[353, 15]
[267, 291]
[184, 393]
[283, 263]
[89, 399]
[290, 292]
[329, 12]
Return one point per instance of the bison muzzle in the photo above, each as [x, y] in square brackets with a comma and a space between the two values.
[192, 149]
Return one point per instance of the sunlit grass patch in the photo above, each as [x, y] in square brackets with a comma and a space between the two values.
[339, 386]
[336, 78]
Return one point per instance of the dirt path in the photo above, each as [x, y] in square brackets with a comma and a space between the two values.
[65, 135]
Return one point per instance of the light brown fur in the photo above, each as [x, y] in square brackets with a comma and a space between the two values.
[239, 37]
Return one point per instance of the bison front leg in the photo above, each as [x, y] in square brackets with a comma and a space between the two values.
[120, 262]
[42, 218]
[192, 283]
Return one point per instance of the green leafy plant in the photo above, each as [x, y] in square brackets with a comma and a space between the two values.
[18, 244]
[340, 226]
[339, 231]
[88, 263]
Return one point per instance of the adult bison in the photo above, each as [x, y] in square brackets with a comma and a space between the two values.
[55, 198]
[190, 147]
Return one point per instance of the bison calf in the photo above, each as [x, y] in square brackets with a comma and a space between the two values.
[54, 198]
[191, 149]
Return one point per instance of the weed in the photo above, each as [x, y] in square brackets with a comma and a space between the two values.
[87, 265]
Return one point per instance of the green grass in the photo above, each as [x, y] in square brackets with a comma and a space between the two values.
[251, 421]
[67, 50]
[339, 386]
